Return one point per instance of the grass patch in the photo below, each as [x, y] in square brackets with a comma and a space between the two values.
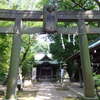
[26, 98]
[62, 89]
[69, 98]
[24, 95]
[1, 94]
[27, 93]
[1, 97]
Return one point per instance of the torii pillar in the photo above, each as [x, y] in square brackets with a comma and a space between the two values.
[14, 62]
[89, 87]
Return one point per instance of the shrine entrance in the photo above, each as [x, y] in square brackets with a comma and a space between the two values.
[46, 73]
[50, 17]
[47, 69]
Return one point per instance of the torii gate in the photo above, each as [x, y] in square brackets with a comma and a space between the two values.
[50, 17]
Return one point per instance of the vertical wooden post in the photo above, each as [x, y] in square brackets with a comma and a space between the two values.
[14, 62]
[89, 89]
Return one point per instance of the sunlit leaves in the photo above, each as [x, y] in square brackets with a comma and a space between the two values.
[5, 51]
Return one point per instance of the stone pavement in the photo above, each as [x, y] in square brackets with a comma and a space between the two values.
[75, 87]
[48, 91]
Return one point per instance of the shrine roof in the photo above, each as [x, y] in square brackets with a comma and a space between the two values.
[47, 59]
[92, 46]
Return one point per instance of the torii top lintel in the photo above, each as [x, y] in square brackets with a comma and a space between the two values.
[62, 16]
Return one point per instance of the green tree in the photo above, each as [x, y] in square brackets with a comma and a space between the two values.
[5, 50]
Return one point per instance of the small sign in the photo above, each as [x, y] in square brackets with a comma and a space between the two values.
[33, 73]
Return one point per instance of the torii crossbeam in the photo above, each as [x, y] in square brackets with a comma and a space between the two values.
[62, 16]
